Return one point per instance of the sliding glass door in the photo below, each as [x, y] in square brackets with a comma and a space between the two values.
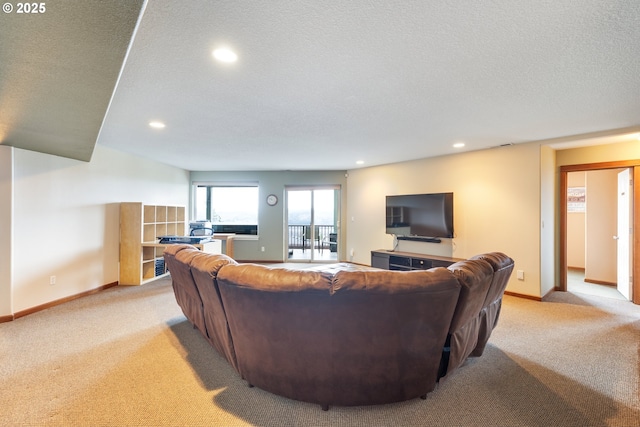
[313, 224]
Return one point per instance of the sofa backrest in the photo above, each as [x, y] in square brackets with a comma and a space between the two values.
[178, 258]
[475, 277]
[502, 268]
[349, 338]
[389, 327]
[204, 271]
[274, 279]
[272, 315]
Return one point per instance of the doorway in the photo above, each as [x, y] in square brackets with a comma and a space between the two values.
[313, 224]
[592, 249]
[567, 274]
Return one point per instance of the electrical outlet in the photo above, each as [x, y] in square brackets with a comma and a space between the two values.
[520, 274]
[52, 280]
[262, 249]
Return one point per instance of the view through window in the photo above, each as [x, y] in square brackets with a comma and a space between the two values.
[299, 206]
[232, 209]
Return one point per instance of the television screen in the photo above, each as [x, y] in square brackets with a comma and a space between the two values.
[420, 215]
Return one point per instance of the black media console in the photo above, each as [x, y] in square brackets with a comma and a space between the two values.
[393, 260]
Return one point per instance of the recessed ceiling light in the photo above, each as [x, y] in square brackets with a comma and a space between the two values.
[359, 162]
[458, 145]
[225, 55]
[157, 125]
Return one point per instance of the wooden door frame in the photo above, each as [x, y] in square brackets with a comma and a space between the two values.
[635, 201]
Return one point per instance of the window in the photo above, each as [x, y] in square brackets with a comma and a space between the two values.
[230, 208]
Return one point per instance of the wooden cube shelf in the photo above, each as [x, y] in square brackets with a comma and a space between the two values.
[140, 227]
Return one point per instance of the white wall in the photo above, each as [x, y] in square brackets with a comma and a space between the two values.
[496, 206]
[599, 153]
[549, 221]
[6, 218]
[271, 219]
[63, 214]
[66, 219]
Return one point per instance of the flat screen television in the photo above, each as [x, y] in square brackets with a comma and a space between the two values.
[420, 215]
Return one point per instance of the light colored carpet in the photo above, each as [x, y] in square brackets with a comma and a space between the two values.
[128, 357]
[576, 284]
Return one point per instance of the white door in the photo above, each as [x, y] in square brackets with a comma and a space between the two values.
[624, 233]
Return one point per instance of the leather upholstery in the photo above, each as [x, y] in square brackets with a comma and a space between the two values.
[475, 276]
[341, 334]
[502, 268]
[349, 338]
[178, 258]
[204, 271]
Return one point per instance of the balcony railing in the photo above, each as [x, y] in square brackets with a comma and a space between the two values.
[300, 237]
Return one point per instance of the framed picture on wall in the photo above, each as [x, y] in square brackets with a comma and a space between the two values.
[576, 199]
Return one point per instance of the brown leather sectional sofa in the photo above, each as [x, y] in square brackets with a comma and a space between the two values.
[341, 334]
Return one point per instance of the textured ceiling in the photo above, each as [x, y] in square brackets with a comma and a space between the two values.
[320, 85]
[58, 70]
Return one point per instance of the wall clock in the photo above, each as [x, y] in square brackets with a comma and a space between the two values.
[272, 200]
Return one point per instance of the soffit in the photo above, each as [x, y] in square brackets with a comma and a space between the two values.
[58, 70]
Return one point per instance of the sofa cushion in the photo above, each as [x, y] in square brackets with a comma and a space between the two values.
[341, 266]
[272, 279]
[177, 258]
[212, 263]
[390, 327]
[204, 271]
[475, 277]
[172, 250]
[393, 282]
[502, 268]
[278, 321]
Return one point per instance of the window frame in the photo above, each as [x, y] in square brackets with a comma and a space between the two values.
[225, 184]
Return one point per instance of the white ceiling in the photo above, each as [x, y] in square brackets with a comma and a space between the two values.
[321, 84]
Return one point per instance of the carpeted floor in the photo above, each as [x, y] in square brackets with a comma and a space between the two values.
[127, 357]
[577, 285]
